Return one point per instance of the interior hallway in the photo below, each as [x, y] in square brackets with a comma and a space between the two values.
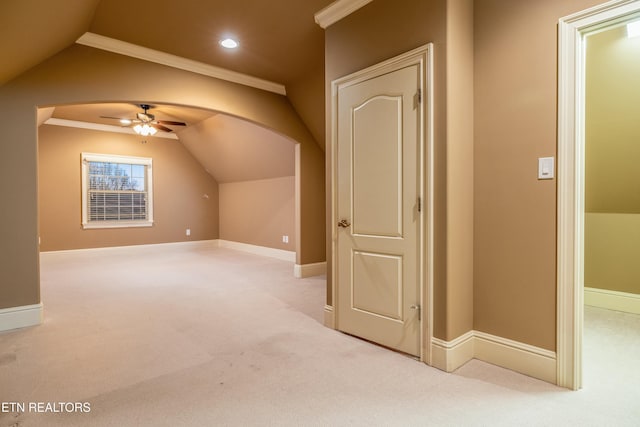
[210, 336]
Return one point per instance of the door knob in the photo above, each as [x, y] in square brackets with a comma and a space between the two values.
[344, 223]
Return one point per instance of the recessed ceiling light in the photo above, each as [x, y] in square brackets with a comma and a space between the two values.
[229, 43]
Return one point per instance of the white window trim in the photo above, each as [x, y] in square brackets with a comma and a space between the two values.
[112, 158]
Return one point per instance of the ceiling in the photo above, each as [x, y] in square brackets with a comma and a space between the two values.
[279, 39]
[279, 42]
[33, 30]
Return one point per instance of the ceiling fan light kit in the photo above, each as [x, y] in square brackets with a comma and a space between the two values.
[145, 124]
[145, 130]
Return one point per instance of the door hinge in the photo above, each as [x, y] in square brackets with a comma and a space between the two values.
[417, 307]
[420, 96]
[419, 204]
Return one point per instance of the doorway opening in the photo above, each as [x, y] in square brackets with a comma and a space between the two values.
[573, 33]
[216, 178]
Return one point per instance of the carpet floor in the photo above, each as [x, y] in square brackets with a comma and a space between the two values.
[217, 337]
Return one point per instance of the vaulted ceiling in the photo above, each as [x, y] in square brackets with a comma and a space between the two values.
[33, 30]
[279, 42]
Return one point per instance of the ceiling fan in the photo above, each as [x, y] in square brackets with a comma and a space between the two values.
[145, 123]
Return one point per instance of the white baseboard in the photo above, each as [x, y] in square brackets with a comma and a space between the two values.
[20, 317]
[259, 250]
[612, 300]
[196, 244]
[523, 358]
[449, 356]
[329, 317]
[309, 270]
[526, 359]
[191, 245]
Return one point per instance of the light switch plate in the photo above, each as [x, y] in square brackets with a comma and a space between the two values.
[546, 168]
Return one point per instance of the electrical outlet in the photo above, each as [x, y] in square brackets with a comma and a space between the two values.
[188, 232]
[285, 239]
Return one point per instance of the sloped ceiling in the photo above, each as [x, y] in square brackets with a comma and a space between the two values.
[234, 150]
[33, 30]
[279, 42]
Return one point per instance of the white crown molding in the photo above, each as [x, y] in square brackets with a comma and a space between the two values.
[338, 10]
[104, 128]
[123, 48]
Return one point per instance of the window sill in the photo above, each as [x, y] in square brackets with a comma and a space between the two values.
[118, 224]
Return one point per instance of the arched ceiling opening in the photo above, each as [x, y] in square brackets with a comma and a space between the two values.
[227, 147]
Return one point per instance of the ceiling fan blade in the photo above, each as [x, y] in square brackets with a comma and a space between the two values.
[123, 120]
[160, 127]
[115, 118]
[170, 122]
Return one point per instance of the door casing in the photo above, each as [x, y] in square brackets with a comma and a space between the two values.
[423, 57]
[572, 31]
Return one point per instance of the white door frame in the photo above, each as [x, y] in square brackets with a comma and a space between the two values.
[423, 57]
[572, 31]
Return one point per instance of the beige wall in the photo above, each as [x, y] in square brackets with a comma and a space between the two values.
[515, 123]
[611, 248]
[612, 175]
[307, 97]
[459, 167]
[310, 192]
[259, 212]
[180, 184]
[80, 75]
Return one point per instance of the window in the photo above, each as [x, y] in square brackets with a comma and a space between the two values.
[116, 191]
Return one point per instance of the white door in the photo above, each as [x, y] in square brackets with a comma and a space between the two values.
[378, 209]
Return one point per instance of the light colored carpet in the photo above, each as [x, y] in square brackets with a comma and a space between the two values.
[213, 337]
